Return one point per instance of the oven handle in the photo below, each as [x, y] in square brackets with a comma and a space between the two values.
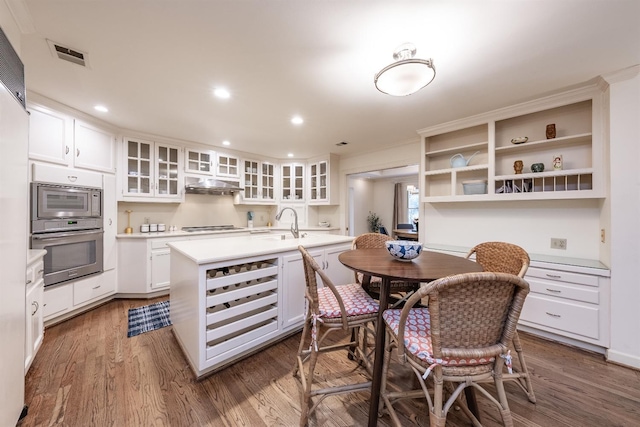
[50, 236]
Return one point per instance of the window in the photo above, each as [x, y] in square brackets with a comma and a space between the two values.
[413, 204]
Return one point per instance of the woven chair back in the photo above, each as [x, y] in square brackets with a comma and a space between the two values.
[501, 257]
[474, 314]
[370, 241]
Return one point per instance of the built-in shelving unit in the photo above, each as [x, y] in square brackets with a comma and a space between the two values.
[577, 117]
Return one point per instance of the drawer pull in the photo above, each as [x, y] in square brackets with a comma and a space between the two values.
[554, 291]
[40, 271]
[553, 315]
[72, 178]
[554, 276]
[96, 287]
[37, 306]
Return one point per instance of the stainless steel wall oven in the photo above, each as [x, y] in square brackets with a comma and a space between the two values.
[67, 222]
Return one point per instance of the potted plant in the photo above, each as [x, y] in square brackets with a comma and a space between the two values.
[374, 222]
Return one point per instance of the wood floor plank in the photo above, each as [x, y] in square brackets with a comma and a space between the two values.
[88, 373]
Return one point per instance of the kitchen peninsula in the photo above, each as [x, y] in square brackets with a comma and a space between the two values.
[232, 296]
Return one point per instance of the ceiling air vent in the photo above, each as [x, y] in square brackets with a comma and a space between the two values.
[68, 54]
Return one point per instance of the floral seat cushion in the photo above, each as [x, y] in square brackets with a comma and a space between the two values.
[356, 301]
[417, 338]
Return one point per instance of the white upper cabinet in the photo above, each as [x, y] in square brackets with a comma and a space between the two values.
[94, 148]
[199, 161]
[293, 182]
[259, 181]
[57, 138]
[492, 156]
[323, 181]
[153, 171]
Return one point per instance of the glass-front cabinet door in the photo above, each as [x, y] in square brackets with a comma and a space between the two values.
[293, 182]
[200, 162]
[167, 178]
[139, 168]
[267, 187]
[228, 166]
[318, 184]
[251, 189]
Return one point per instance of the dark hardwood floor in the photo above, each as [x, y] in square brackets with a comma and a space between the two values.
[88, 373]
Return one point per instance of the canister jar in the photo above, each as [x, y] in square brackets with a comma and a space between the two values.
[144, 228]
[162, 227]
[153, 227]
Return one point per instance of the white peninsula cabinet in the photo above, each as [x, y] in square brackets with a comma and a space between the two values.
[152, 172]
[486, 148]
[58, 138]
[293, 307]
[233, 297]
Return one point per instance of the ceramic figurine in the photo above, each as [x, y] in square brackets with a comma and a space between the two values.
[557, 162]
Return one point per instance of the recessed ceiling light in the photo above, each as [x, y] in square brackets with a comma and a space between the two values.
[297, 120]
[226, 143]
[222, 93]
[290, 155]
[101, 108]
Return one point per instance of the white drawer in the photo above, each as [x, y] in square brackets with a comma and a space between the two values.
[567, 316]
[162, 243]
[563, 290]
[57, 300]
[562, 276]
[91, 288]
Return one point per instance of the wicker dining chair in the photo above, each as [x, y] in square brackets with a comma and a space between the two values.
[461, 339]
[502, 257]
[398, 288]
[330, 308]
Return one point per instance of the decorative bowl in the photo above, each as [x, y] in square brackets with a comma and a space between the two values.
[520, 140]
[403, 250]
[537, 167]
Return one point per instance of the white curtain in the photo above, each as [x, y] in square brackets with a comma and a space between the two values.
[399, 204]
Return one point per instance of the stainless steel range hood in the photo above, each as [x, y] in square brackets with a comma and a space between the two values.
[210, 186]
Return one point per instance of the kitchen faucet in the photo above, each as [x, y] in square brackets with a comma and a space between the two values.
[294, 226]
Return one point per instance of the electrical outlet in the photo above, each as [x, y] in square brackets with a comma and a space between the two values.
[558, 243]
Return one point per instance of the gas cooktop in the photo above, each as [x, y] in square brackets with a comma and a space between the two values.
[210, 228]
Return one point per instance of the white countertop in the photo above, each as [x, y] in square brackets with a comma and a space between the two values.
[241, 231]
[593, 266]
[221, 249]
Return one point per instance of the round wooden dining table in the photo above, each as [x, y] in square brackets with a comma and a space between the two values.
[425, 268]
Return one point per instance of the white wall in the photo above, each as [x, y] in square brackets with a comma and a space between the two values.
[625, 216]
[530, 224]
[362, 203]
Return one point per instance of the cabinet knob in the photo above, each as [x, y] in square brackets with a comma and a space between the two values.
[66, 149]
[77, 152]
[28, 281]
[72, 178]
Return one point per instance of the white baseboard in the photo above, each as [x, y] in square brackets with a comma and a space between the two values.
[630, 360]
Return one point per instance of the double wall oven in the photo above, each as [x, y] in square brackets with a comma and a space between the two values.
[67, 222]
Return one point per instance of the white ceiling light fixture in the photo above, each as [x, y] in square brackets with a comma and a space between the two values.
[290, 155]
[222, 93]
[297, 120]
[226, 143]
[101, 108]
[406, 76]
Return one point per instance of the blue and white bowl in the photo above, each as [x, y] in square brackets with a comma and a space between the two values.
[404, 250]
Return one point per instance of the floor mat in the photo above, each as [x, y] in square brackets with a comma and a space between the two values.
[148, 318]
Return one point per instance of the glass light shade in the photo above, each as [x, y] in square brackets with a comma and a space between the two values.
[405, 77]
